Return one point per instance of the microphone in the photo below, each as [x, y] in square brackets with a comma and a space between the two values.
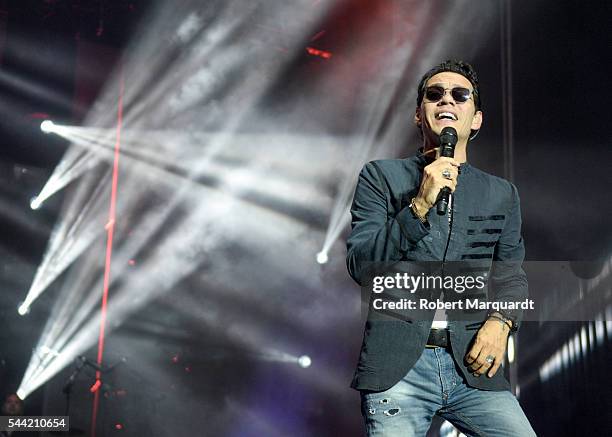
[448, 140]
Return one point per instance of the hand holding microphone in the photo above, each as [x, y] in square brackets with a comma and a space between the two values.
[439, 177]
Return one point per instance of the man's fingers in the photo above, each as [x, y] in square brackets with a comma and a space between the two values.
[472, 355]
[477, 371]
[479, 366]
[493, 370]
[450, 184]
[440, 165]
[446, 160]
[442, 182]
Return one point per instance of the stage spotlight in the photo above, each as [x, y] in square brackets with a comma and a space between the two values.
[47, 126]
[322, 257]
[35, 203]
[23, 309]
[304, 361]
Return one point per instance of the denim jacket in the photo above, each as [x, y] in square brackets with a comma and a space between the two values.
[484, 224]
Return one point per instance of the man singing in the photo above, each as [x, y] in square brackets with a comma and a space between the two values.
[409, 370]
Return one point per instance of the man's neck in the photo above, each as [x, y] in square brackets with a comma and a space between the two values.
[460, 151]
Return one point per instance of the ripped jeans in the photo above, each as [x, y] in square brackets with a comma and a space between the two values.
[434, 386]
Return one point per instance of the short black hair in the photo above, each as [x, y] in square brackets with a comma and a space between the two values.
[454, 66]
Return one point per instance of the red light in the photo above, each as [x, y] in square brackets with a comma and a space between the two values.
[110, 228]
[132, 262]
[118, 426]
[39, 116]
[175, 359]
[94, 388]
[316, 52]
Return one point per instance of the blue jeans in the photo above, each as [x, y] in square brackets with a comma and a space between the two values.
[434, 386]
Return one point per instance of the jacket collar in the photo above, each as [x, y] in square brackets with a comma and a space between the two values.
[423, 160]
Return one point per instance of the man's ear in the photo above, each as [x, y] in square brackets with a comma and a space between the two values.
[417, 117]
[477, 120]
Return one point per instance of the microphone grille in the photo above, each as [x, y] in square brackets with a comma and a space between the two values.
[448, 136]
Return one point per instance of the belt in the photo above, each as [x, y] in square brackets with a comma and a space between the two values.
[438, 338]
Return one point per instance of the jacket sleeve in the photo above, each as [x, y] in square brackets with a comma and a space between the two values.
[375, 236]
[509, 280]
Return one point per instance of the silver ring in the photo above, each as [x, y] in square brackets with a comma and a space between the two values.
[446, 174]
[489, 359]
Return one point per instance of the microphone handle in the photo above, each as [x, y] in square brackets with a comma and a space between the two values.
[443, 199]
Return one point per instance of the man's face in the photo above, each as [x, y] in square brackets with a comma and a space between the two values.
[13, 406]
[434, 116]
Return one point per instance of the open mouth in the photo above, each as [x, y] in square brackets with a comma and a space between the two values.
[446, 116]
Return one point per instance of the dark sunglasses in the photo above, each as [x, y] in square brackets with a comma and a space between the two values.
[459, 94]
